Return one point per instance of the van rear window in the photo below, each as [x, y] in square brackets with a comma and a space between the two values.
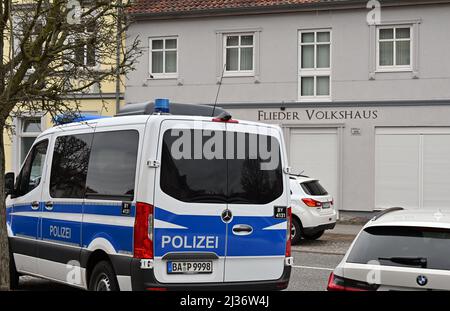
[313, 188]
[414, 247]
[228, 173]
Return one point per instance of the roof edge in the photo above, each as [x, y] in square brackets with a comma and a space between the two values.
[305, 7]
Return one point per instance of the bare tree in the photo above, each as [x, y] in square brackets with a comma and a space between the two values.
[53, 52]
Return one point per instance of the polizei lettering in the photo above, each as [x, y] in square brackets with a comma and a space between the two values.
[197, 241]
[60, 232]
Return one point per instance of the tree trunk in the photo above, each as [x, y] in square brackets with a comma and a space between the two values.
[4, 247]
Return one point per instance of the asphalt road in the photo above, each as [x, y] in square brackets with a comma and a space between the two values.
[313, 263]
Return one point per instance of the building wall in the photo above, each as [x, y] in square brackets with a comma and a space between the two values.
[363, 101]
[352, 59]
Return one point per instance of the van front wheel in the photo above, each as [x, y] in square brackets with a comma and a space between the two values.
[103, 278]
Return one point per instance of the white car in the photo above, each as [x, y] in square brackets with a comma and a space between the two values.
[313, 209]
[398, 250]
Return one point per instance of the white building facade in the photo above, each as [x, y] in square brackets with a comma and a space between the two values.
[364, 107]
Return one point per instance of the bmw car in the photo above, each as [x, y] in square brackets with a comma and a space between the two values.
[398, 250]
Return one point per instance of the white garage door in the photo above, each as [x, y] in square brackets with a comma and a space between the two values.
[315, 150]
[412, 168]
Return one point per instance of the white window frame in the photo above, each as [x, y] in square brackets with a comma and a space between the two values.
[163, 75]
[96, 66]
[314, 72]
[239, 72]
[19, 134]
[395, 67]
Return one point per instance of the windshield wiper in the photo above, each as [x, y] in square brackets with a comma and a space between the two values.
[408, 261]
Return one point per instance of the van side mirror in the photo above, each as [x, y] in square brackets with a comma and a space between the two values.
[9, 183]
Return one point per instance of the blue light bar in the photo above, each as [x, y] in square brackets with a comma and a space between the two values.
[162, 105]
[66, 119]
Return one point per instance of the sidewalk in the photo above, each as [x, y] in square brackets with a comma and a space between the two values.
[345, 229]
[333, 242]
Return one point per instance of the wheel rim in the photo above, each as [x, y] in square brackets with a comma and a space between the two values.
[103, 284]
[293, 231]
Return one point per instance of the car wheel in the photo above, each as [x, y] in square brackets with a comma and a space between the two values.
[103, 278]
[314, 236]
[296, 229]
[13, 274]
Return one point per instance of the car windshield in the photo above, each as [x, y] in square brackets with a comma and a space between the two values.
[403, 247]
[313, 187]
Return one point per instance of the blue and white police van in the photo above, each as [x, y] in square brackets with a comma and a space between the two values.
[153, 202]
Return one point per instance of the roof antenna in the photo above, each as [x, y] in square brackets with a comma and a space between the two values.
[218, 89]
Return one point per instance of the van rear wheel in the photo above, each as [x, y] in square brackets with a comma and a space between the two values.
[103, 278]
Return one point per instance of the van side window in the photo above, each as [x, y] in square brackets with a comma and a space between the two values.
[112, 166]
[70, 165]
[31, 174]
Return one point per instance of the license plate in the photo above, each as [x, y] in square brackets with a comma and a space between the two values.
[189, 267]
[326, 205]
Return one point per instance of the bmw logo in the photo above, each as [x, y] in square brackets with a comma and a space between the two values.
[422, 280]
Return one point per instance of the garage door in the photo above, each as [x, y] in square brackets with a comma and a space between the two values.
[412, 168]
[315, 150]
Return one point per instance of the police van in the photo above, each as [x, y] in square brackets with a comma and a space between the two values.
[153, 202]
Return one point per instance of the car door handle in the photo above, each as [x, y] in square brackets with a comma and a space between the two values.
[35, 205]
[242, 230]
[49, 206]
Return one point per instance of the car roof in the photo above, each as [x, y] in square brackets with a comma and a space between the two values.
[433, 218]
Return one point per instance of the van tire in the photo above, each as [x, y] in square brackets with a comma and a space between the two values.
[103, 278]
[13, 274]
[314, 236]
[296, 231]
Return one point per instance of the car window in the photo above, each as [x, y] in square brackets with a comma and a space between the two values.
[191, 177]
[403, 246]
[112, 165]
[31, 174]
[69, 166]
[313, 188]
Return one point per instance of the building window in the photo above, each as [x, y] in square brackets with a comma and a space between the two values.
[315, 65]
[27, 130]
[394, 50]
[85, 52]
[164, 57]
[239, 54]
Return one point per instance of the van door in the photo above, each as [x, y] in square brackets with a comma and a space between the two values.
[257, 186]
[190, 197]
[27, 208]
[63, 196]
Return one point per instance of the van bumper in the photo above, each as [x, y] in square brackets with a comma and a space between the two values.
[142, 280]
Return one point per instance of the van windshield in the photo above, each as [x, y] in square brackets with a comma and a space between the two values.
[220, 167]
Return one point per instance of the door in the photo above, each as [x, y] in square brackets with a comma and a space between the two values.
[189, 199]
[62, 205]
[26, 209]
[412, 167]
[316, 152]
[256, 244]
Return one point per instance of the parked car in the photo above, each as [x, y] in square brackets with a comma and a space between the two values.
[398, 250]
[313, 209]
